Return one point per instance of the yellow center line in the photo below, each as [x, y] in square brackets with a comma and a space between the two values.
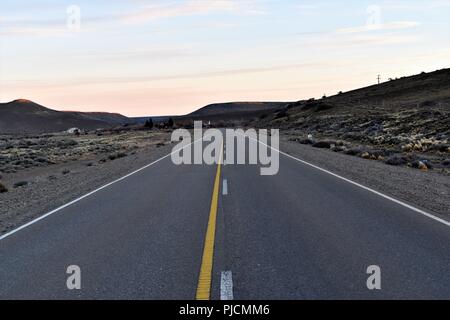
[204, 280]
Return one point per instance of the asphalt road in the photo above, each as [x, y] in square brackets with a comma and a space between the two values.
[300, 234]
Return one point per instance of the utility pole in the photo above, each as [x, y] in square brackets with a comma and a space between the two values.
[379, 78]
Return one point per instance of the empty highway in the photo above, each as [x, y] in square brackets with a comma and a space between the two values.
[226, 232]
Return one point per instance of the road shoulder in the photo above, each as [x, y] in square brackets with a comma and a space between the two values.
[426, 190]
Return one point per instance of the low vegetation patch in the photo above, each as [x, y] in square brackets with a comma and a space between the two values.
[396, 160]
[3, 189]
[21, 152]
[117, 155]
[354, 151]
[20, 184]
[322, 144]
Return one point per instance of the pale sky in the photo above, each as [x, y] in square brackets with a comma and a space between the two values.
[157, 57]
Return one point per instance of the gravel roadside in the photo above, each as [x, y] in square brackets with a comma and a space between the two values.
[52, 186]
[429, 191]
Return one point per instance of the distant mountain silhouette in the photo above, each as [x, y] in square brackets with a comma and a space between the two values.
[24, 116]
[236, 107]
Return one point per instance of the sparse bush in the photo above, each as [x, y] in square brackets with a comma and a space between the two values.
[323, 106]
[294, 104]
[396, 160]
[337, 148]
[379, 153]
[3, 189]
[365, 155]
[322, 144]
[305, 141]
[117, 155]
[263, 116]
[281, 114]
[427, 103]
[65, 143]
[316, 106]
[149, 123]
[441, 147]
[353, 151]
[20, 184]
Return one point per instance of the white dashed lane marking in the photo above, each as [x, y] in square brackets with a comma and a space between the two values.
[226, 286]
[225, 187]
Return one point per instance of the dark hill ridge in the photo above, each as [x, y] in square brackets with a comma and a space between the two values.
[406, 91]
[221, 113]
[417, 104]
[24, 116]
[111, 118]
[402, 121]
[235, 107]
[426, 95]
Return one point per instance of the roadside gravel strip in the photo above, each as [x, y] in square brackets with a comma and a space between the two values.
[426, 190]
[49, 188]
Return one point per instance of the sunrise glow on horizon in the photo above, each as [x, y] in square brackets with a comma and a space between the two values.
[159, 57]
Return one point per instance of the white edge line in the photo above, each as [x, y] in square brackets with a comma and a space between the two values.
[429, 215]
[226, 285]
[90, 193]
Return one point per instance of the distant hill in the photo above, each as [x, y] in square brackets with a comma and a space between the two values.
[220, 112]
[417, 94]
[432, 87]
[111, 118]
[390, 113]
[24, 116]
[236, 107]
